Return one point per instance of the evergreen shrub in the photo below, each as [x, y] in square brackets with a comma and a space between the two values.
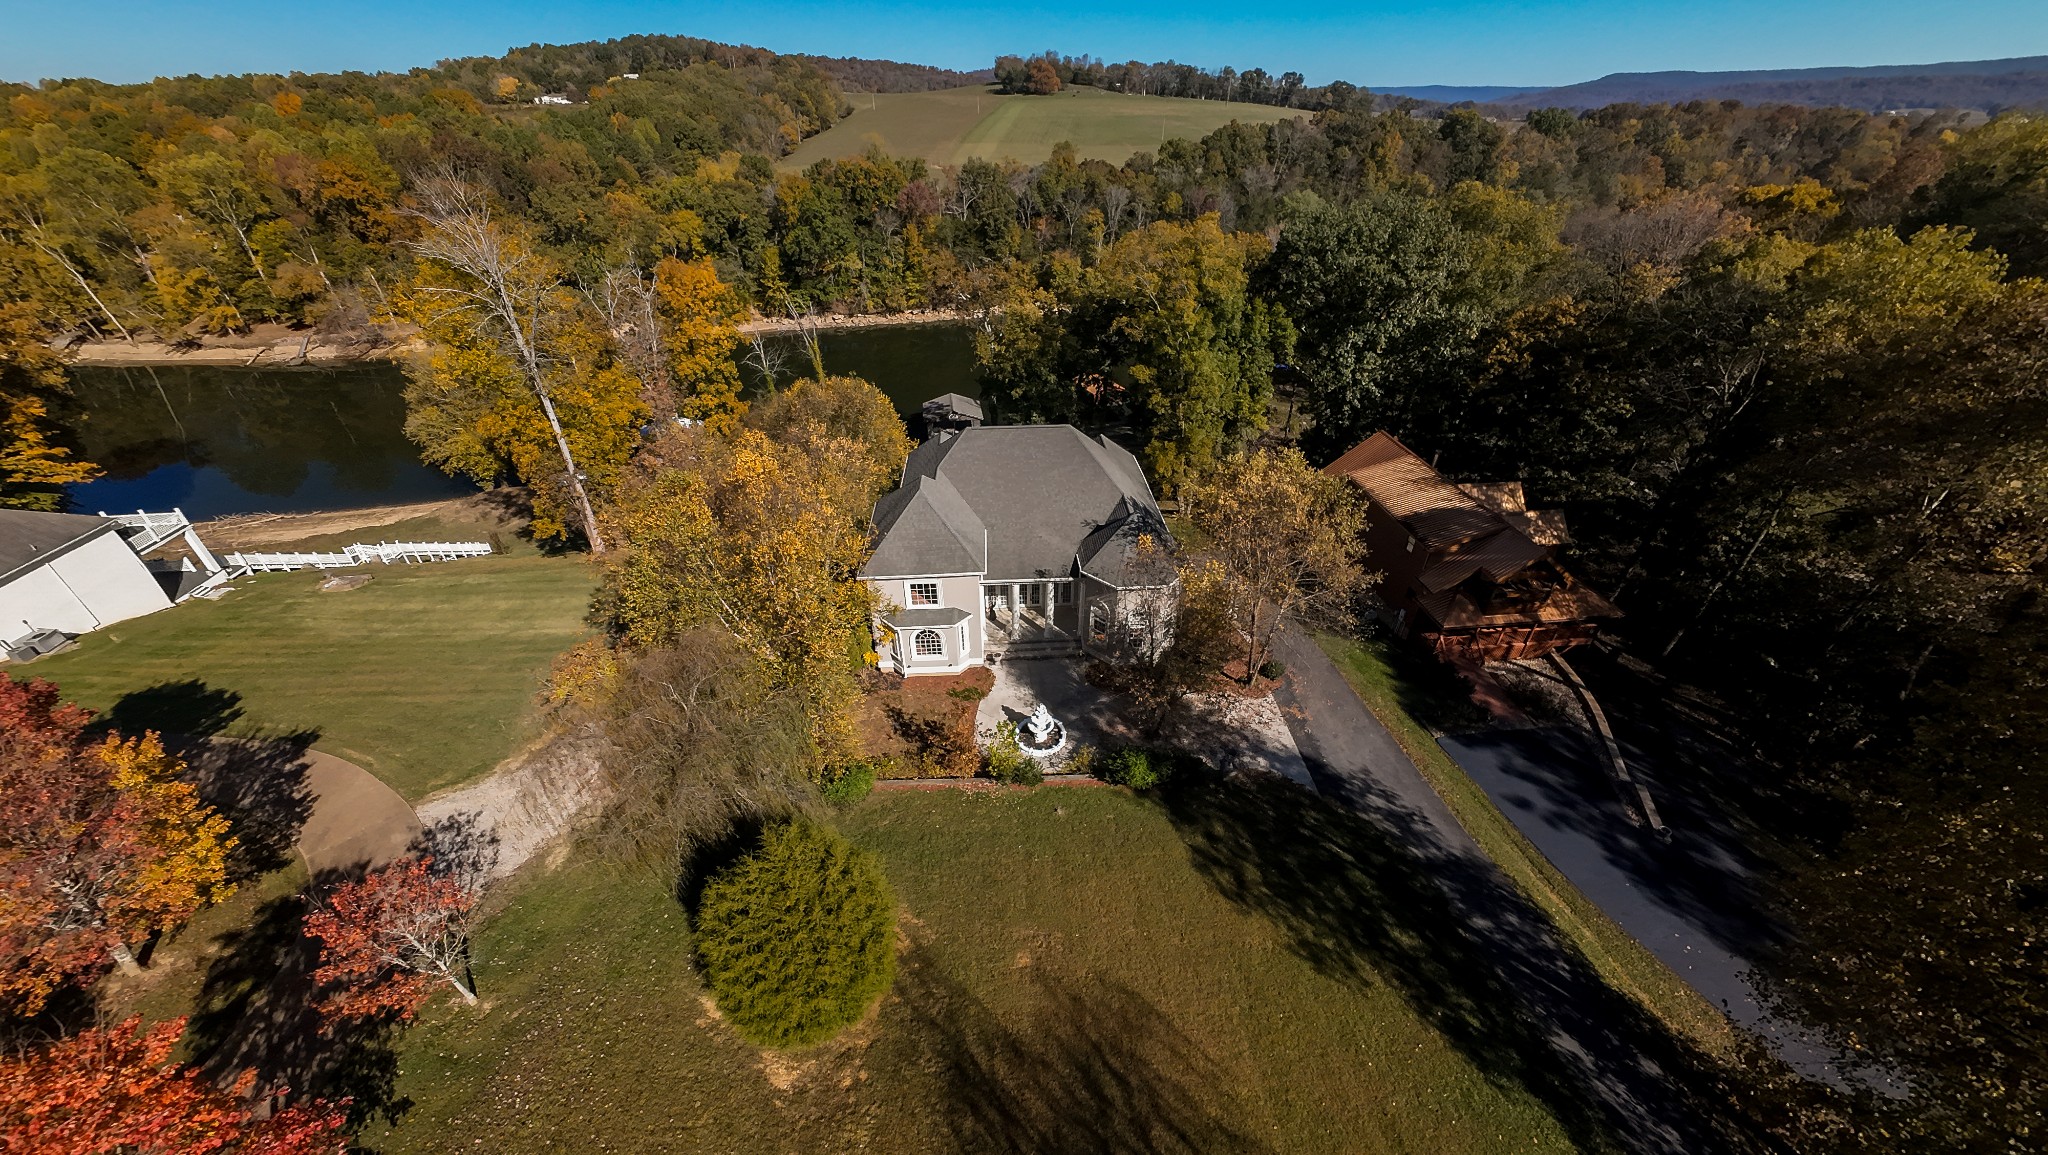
[798, 938]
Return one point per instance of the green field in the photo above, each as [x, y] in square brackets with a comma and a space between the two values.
[960, 124]
[425, 677]
[1079, 975]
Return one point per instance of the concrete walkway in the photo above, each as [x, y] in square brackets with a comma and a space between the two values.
[1625, 1062]
[357, 822]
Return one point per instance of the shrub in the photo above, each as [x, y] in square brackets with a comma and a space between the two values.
[797, 938]
[1272, 669]
[967, 693]
[849, 783]
[1006, 760]
[1135, 767]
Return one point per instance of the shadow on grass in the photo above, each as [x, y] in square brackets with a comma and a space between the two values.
[256, 778]
[1369, 896]
[256, 1012]
[1096, 1068]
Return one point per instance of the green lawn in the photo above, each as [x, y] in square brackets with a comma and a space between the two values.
[425, 676]
[1397, 694]
[1083, 971]
[958, 124]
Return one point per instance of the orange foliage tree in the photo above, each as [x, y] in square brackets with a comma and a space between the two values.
[101, 843]
[117, 1090]
[387, 940]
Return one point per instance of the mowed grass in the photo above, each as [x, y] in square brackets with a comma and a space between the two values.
[958, 124]
[1374, 671]
[426, 676]
[1075, 977]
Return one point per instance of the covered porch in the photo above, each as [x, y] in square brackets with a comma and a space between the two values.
[1032, 610]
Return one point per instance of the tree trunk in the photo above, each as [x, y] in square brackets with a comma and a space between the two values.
[547, 405]
[58, 257]
[124, 958]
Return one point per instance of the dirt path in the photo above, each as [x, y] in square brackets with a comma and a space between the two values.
[526, 803]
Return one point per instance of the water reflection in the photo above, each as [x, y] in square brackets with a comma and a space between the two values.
[910, 363]
[218, 440]
[214, 441]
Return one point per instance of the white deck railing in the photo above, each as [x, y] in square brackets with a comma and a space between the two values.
[386, 552]
[147, 531]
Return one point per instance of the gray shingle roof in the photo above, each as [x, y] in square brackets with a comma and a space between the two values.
[28, 539]
[924, 527]
[925, 617]
[1042, 493]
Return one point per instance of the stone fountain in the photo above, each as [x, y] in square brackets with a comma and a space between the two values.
[1042, 735]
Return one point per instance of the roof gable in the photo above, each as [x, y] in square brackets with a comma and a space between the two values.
[925, 528]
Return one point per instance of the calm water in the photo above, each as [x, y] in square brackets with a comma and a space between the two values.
[214, 440]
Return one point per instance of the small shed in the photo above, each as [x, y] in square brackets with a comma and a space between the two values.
[70, 572]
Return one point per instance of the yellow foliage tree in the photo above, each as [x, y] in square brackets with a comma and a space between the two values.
[760, 537]
[186, 844]
[473, 408]
[701, 315]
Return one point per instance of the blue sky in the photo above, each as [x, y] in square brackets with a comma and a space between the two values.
[1528, 42]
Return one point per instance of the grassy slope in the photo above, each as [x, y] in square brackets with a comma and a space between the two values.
[954, 125]
[423, 677]
[1073, 981]
[1624, 962]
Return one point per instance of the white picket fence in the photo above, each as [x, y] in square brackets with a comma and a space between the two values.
[386, 552]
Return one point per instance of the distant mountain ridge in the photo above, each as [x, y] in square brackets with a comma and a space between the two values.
[1989, 86]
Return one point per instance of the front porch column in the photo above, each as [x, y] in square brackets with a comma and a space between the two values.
[1052, 626]
[1016, 612]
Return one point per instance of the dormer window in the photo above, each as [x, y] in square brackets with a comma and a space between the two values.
[1411, 543]
[924, 593]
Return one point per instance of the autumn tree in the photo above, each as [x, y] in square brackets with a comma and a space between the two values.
[390, 939]
[510, 343]
[117, 1089]
[700, 319]
[761, 534]
[102, 843]
[1286, 539]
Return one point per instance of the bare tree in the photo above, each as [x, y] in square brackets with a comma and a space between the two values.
[508, 292]
[766, 357]
[626, 299]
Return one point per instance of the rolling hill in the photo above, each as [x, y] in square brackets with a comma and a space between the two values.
[1989, 86]
[954, 125]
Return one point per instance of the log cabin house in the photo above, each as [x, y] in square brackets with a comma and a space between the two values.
[1470, 570]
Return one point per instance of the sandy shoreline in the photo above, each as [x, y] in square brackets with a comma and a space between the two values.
[274, 347]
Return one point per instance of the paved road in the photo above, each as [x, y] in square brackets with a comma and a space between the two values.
[1627, 1068]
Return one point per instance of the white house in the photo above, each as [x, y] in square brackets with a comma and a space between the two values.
[1017, 540]
[69, 572]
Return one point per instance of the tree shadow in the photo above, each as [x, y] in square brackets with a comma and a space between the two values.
[1368, 894]
[256, 1011]
[190, 708]
[256, 778]
[260, 785]
[463, 845]
[1096, 1069]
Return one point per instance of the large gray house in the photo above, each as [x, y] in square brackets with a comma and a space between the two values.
[1017, 540]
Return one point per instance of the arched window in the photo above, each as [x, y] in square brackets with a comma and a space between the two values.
[928, 644]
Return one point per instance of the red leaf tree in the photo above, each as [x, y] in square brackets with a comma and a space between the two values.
[100, 843]
[116, 1089]
[387, 941]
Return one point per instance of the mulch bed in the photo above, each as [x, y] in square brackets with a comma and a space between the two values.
[923, 727]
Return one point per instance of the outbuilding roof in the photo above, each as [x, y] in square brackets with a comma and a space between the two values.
[28, 538]
[1438, 513]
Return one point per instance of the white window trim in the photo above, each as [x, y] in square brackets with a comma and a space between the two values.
[910, 593]
[917, 641]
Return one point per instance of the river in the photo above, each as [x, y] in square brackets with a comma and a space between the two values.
[215, 441]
